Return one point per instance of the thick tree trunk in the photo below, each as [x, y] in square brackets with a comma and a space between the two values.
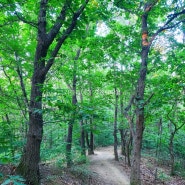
[28, 166]
[138, 134]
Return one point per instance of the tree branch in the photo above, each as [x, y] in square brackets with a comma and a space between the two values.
[130, 103]
[148, 100]
[58, 24]
[42, 17]
[25, 21]
[166, 26]
[64, 36]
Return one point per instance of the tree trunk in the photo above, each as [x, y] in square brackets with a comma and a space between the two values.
[29, 164]
[74, 103]
[159, 134]
[138, 134]
[128, 149]
[82, 139]
[87, 140]
[121, 127]
[171, 150]
[69, 144]
[83, 152]
[123, 141]
[135, 178]
[91, 144]
[115, 126]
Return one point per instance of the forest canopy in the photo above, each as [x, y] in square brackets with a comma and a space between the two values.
[76, 75]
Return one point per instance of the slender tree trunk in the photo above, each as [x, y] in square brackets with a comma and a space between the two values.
[82, 139]
[115, 126]
[83, 152]
[128, 149]
[87, 140]
[121, 127]
[123, 141]
[171, 150]
[91, 143]
[71, 123]
[158, 147]
[69, 144]
[51, 139]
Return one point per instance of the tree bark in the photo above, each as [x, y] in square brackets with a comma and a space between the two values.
[91, 143]
[115, 126]
[82, 137]
[28, 166]
[135, 178]
[87, 140]
[123, 141]
[121, 127]
[128, 149]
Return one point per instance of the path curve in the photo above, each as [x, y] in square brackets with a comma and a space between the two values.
[104, 165]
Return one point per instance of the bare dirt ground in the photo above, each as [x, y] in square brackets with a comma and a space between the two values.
[104, 165]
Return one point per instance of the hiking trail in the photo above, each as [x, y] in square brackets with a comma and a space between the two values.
[110, 171]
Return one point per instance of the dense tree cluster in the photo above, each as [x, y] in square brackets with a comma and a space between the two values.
[79, 74]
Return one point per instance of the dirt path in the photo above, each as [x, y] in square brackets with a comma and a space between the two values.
[104, 165]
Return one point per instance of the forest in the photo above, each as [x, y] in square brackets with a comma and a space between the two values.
[82, 79]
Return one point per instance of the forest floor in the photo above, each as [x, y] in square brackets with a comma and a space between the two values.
[101, 169]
